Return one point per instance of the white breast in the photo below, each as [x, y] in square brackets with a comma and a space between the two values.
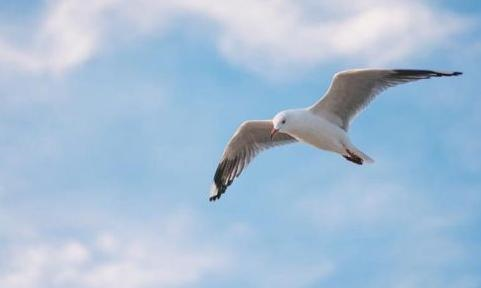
[318, 132]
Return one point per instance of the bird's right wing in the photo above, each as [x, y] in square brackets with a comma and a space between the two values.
[352, 90]
[250, 138]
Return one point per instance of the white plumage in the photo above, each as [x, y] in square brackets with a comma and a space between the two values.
[323, 125]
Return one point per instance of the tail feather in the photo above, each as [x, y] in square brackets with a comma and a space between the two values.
[363, 156]
[351, 149]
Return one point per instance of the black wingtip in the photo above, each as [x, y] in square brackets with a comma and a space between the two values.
[219, 190]
[454, 73]
[425, 73]
[214, 198]
[223, 178]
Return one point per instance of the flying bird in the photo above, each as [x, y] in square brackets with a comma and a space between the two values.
[323, 125]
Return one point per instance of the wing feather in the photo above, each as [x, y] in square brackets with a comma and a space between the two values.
[352, 90]
[250, 138]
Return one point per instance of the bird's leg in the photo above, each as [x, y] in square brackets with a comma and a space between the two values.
[353, 157]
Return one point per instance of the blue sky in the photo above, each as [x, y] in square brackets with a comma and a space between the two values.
[113, 115]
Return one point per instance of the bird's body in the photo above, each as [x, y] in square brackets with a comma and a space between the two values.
[323, 125]
[312, 129]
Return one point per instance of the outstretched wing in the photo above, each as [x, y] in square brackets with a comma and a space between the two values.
[352, 90]
[250, 138]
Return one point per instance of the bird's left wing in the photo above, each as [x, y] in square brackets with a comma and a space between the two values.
[352, 90]
[250, 138]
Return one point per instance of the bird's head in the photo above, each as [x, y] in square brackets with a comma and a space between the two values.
[280, 123]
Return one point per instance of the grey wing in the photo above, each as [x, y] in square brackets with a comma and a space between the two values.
[352, 90]
[250, 138]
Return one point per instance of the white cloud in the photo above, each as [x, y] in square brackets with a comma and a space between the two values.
[176, 251]
[69, 34]
[280, 34]
[137, 263]
[264, 36]
[170, 257]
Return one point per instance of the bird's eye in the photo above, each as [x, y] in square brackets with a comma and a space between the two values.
[283, 121]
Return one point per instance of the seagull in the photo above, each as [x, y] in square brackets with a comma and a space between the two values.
[323, 125]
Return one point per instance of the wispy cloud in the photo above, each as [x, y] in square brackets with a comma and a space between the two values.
[170, 258]
[263, 36]
[69, 34]
[132, 264]
[381, 197]
[422, 246]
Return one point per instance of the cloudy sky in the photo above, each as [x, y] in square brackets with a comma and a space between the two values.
[114, 113]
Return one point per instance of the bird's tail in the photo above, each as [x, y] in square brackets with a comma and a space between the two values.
[355, 154]
[363, 156]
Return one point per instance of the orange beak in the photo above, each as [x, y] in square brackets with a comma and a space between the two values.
[274, 132]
